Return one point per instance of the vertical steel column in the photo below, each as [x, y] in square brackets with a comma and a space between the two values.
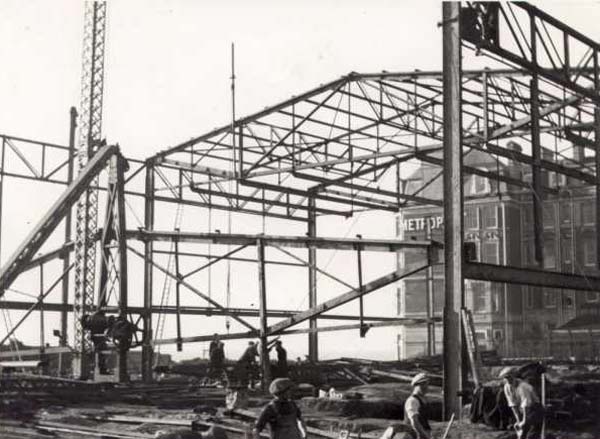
[453, 216]
[262, 297]
[41, 306]
[64, 315]
[123, 273]
[505, 261]
[43, 356]
[313, 338]
[178, 296]
[429, 298]
[538, 213]
[148, 285]
[597, 156]
[3, 152]
[362, 330]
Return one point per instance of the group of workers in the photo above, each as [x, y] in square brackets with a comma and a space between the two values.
[246, 369]
[521, 397]
[285, 419]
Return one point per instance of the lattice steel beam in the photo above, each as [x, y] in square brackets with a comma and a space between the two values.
[90, 137]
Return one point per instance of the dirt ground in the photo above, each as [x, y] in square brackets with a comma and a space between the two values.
[370, 427]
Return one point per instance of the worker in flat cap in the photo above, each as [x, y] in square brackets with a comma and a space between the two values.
[524, 403]
[282, 414]
[416, 407]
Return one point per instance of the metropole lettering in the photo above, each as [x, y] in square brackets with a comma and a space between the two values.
[416, 224]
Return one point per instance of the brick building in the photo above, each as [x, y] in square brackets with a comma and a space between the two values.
[516, 320]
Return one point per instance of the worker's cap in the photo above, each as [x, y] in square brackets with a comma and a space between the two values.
[508, 371]
[419, 378]
[278, 342]
[280, 385]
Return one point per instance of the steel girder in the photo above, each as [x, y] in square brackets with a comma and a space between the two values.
[343, 143]
[22, 257]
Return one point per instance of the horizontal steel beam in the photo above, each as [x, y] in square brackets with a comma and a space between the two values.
[36, 351]
[243, 335]
[529, 276]
[187, 310]
[379, 245]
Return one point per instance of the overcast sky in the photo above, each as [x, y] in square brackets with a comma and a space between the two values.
[168, 69]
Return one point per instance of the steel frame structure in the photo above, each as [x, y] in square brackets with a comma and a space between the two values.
[344, 147]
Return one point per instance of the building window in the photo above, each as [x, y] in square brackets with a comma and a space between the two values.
[529, 253]
[481, 296]
[565, 213]
[415, 294]
[489, 216]
[587, 213]
[489, 252]
[548, 216]
[557, 180]
[438, 295]
[566, 250]
[497, 299]
[498, 334]
[589, 251]
[592, 296]
[550, 295]
[481, 337]
[479, 185]
[568, 299]
[549, 254]
[471, 218]
[527, 217]
[529, 298]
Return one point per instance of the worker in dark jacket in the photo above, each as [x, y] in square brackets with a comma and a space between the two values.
[216, 354]
[416, 407]
[247, 365]
[282, 366]
[282, 414]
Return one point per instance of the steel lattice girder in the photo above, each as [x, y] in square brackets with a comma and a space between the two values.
[342, 143]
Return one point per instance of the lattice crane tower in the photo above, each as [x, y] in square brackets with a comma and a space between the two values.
[90, 132]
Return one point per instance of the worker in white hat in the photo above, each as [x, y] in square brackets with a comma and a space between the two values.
[416, 407]
[524, 403]
[282, 414]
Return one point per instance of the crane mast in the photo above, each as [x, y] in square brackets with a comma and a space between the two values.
[90, 138]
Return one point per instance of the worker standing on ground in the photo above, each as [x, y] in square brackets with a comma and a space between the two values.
[247, 365]
[282, 414]
[216, 355]
[416, 407]
[282, 366]
[525, 404]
